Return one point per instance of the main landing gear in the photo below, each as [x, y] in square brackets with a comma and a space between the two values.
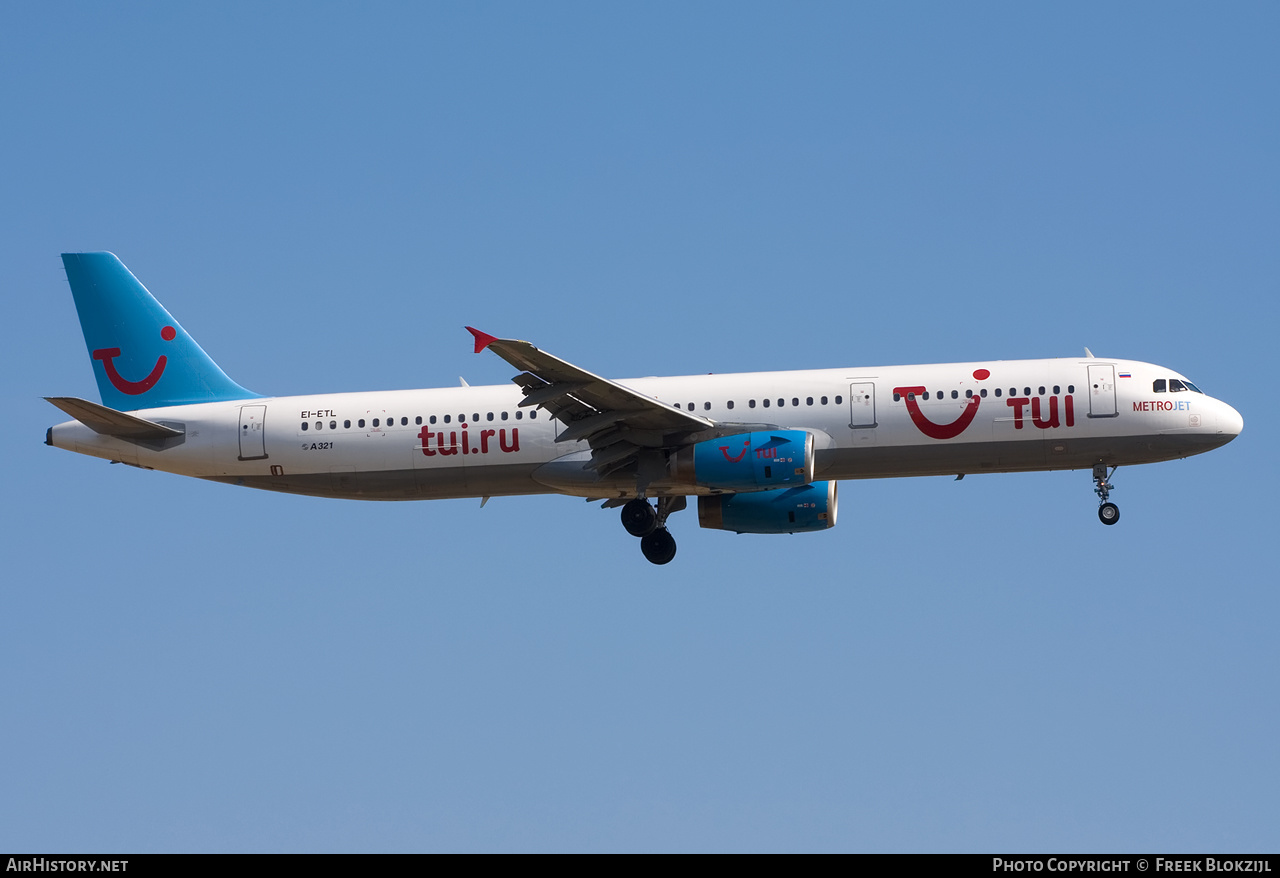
[1108, 513]
[650, 524]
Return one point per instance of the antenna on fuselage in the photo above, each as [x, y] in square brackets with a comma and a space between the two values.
[1088, 353]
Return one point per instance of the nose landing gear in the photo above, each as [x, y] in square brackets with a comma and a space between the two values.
[1108, 513]
[650, 524]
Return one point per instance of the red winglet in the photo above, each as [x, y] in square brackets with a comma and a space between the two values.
[483, 339]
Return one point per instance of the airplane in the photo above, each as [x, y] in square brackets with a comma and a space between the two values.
[762, 452]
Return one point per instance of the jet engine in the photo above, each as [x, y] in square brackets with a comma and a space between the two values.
[748, 461]
[780, 511]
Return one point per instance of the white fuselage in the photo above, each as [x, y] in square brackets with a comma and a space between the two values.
[997, 416]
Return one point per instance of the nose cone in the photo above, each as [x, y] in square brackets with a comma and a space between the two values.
[1230, 422]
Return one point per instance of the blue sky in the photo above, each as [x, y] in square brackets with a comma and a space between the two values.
[326, 194]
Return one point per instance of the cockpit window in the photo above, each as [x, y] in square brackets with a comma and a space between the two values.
[1192, 387]
[1176, 386]
[1157, 386]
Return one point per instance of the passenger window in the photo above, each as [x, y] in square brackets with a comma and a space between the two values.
[1026, 391]
[926, 394]
[448, 418]
[968, 394]
[475, 416]
[823, 400]
[504, 416]
[375, 422]
[751, 403]
[781, 403]
[839, 400]
[808, 400]
[306, 426]
[346, 425]
[1041, 390]
[1057, 389]
[766, 402]
[983, 392]
[361, 422]
[998, 391]
[795, 401]
[1157, 386]
[418, 420]
[729, 404]
[533, 415]
[489, 416]
[897, 397]
[404, 422]
[519, 414]
[333, 425]
[955, 394]
[706, 406]
[1071, 388]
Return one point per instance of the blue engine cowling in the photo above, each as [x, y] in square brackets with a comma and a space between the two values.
[780, 511]
[748, 461]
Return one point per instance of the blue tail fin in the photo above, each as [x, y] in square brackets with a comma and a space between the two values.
[142, 357]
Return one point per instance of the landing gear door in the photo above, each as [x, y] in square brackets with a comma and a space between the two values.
[1102, 392]
[253, 439]
[862, 406]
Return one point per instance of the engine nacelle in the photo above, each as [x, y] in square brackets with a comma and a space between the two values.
[748, 461]
[780, 511]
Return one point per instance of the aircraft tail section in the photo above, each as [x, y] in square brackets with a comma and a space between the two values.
[142, 357]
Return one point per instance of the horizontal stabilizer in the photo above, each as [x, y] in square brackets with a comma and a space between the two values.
[110, 422]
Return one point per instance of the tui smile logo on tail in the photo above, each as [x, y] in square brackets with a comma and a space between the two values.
[122, 384]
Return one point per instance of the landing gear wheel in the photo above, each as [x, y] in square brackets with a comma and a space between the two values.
[658, 547]
[1108, 513]
[639, 518]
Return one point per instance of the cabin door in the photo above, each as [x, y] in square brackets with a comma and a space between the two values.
[1102, 392]
[253, 439]
[862, 406]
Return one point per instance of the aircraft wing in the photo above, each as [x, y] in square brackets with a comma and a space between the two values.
[614, 419]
